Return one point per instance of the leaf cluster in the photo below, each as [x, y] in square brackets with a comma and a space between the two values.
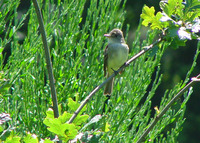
[178, 21]
[60, 127]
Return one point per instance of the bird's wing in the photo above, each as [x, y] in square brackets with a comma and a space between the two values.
[105, 59]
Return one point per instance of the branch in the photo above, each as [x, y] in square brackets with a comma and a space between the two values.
[48, 59]
[193, 80]
[145, 49]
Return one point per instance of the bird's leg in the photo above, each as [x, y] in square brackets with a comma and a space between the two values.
[116, 72]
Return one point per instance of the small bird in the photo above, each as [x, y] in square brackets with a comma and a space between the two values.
[115, 55]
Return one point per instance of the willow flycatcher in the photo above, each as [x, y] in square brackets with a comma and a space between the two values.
[115, 55]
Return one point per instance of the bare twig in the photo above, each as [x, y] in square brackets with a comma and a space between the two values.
[48, 59]
[167, 107]
[145, 49]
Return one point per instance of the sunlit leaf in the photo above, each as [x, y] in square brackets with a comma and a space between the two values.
[147, 15]
[80, 119]
[30, 139]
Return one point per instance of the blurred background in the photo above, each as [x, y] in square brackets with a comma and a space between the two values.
[174, 65]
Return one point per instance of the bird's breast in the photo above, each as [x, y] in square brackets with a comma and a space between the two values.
[117, 55]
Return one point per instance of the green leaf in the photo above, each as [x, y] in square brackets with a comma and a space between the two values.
[1, 129]
[48, 141]
[13, 139]
[50, 113]
[107, 126]
[173, 9]
[147, 15]
[5, 88]
[73, 105]
[167, 7]
[80, 119]
[66, 131]
[176, 42]
[192, 5]
[192, 9]
[173, 30]
[156, 23]
[149, 18]
[64, 117]
[30, 139]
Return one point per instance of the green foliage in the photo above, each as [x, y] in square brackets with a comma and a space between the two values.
[65, 131]
[148, 14]
[179, 20]
[12, 139]
[60, 127]
[30, 138]
[4, 83]
[76, 44]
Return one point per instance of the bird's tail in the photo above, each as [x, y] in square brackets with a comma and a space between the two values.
[109, 87]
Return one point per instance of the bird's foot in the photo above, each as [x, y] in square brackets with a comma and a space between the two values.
[116, 72]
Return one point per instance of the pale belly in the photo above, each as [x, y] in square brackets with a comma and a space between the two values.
[117, 56]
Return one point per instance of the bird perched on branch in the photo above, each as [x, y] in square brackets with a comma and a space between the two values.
[115, 55]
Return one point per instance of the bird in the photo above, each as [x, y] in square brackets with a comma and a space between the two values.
[115, 55]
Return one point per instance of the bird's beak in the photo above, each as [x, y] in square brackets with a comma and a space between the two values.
[107, 35]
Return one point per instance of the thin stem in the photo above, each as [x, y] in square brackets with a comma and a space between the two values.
[145, 49]
[166, 108]
[48, 59]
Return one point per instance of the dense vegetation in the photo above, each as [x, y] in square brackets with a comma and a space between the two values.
[74, 33]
